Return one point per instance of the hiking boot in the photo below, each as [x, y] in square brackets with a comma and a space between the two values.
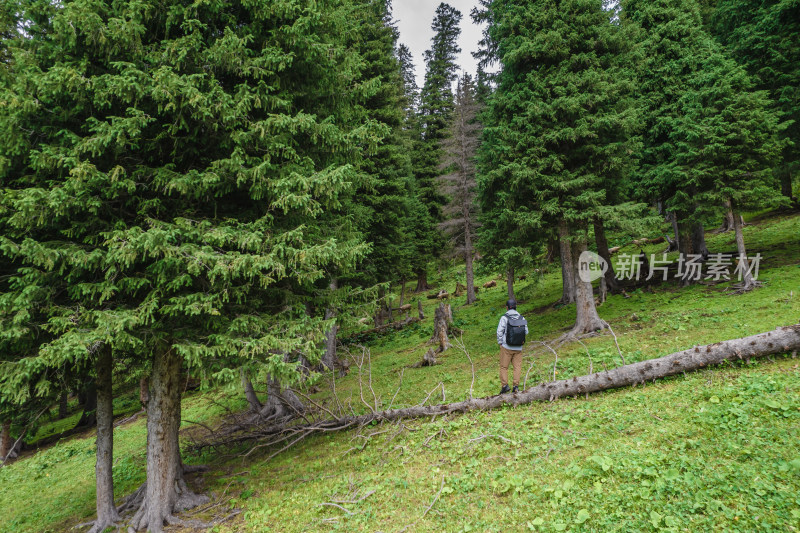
[515, 389]
[505, 389]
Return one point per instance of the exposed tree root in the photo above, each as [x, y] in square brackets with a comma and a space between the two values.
[185, 500]
[782, 340]
[280, 404]
[743, 288]
[582, 331]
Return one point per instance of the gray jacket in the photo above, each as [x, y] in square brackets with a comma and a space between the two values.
[501, 330]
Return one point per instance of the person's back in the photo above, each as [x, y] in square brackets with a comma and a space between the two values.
[511, 333]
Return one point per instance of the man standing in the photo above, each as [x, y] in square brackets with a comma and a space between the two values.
[511, 336]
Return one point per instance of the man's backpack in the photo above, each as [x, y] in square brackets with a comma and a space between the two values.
[515, 331]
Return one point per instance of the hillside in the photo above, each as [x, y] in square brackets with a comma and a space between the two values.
[714, 450]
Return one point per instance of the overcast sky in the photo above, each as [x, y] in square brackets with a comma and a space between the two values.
[414, 19]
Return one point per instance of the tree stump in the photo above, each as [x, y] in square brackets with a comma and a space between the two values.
[419, 307]
[429, 359]
[459, 289]
[442, 320]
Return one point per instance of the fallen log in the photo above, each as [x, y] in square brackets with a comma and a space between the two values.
[400, 324]
[782, 340]
[439, 295]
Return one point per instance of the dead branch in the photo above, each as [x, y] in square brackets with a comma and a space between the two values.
[491, 436]
[461, 346]
[335, 505]
[402, 371]
[615, 342]
[400, 324]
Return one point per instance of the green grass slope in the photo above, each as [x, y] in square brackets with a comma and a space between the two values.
[716, 450]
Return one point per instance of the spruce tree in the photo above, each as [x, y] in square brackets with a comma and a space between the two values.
[669, 50]
[175, 160]
[409, 77]
[763, 36]
[706, 127]
[435, 110]
[559, 121]
[727, 139]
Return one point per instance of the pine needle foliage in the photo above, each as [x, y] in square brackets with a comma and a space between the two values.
[163, 191]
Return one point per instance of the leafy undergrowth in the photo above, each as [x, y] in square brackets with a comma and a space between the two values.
[713, 450]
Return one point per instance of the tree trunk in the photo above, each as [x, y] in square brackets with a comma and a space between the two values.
[510, 283]
[602, 250]
[603, 290]
[468, 251]
[281, 403]
[89, 416]
[250, 393]
[5, 440]
[699, 241]
[567, 277]
[402, 291]
[781, 340]
[429, 359]
[673, 217]
[419, 308]
[552, 245]
[63, 405]
[727, 223]
[106, 511]
[442, 319]
[382, 312]
[329, 357]
[748, 282]
[587, 320]
[387, 305]
[165, 491]
[786, 184]
[686, 249]
[422, 280]
[144, 391]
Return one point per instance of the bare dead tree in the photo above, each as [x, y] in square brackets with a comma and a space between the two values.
[748, 280]
[460, 146]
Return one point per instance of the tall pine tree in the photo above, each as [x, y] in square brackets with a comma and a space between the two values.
[709, 137]
[435, 111]
[763, 36]
[183, 154]
[559, 122]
